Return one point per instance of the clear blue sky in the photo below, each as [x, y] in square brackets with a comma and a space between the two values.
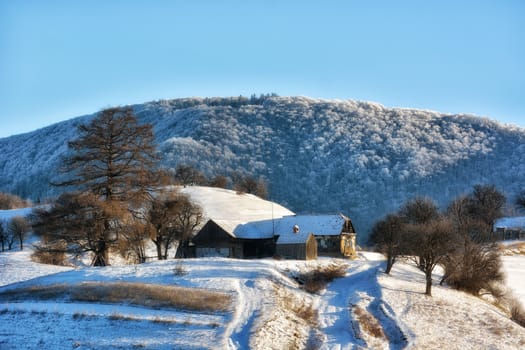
[61, 59]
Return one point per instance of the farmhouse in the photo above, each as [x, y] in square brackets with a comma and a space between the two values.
[245, 226]
[510, 228]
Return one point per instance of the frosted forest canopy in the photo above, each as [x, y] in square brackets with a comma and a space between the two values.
[317, 156]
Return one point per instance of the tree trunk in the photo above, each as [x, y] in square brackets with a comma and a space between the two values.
[159, 249]
[428, 289]
[389, 264]
[165, 255]
[101, 257]
[21, 243]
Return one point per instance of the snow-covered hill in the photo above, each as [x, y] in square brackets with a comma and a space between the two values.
[318, 156]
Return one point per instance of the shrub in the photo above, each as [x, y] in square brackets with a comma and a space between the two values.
[51, 254]
[316, 280]
[11, 201]
[474, 268]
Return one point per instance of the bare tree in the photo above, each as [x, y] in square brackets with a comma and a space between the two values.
[136, 235]
[433, 242]
[18, 227]
[3, 233]
[114, 156]
[387, 237]
[219, 181]
[113, 159]
[419, 210]
[80, 223]
[520, 200]
[475, 264]
[173, 218]
[249, 184]
[486, 205]
[188, 175]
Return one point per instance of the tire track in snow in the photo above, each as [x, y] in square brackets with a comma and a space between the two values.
[246, 311]
[340, 329]
[333, 307]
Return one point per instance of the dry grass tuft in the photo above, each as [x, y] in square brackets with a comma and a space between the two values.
[517, 312]
[298, 307]
[368, 322]
[142, 294]
[316, 280]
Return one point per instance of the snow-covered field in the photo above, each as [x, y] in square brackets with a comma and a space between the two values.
[261, 316]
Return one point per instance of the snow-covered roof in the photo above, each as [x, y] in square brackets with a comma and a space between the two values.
[294, 238]
[320, 225]
[510, 222]
[223, 204]
[242, 215]
[247, 216]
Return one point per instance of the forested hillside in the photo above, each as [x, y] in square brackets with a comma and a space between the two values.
[318, 156]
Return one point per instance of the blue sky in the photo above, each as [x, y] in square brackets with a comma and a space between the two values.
[61, 59]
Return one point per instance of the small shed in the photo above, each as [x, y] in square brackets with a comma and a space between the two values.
[297, 245]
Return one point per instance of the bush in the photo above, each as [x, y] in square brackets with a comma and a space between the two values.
[51, 254]
[11, 201]
[316, 280]
[474, 268]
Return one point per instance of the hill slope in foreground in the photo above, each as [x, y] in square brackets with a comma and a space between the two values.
[264, 308]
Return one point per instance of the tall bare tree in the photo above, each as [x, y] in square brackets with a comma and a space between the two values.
[113, 160]
[114, 157]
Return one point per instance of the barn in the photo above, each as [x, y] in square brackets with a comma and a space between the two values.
[237, 225]
[297, 245]
[232, 239]
[327, 229]
[510, 228]
[245, 226]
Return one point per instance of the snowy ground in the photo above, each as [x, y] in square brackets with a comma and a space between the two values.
[260, 317]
